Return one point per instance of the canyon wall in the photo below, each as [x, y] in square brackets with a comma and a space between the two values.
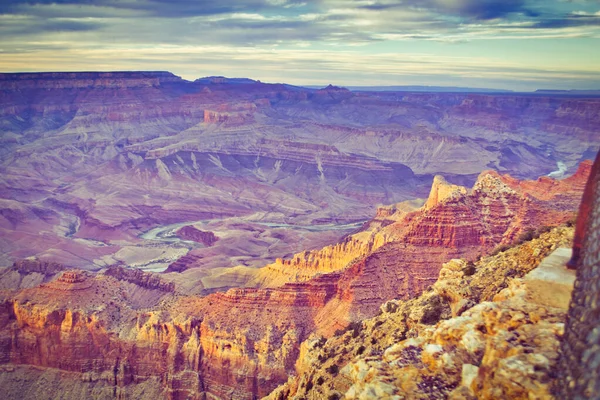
[91, 163]
[113, 155]
[126, 329]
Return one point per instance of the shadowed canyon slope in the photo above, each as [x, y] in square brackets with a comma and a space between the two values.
[90, 163]
[129, 333]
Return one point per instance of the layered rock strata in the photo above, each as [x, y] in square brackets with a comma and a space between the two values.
[89, 161]
[454, 221]
[484, 331]
[140, 278]
[29, 273]
[130, 329]
[191, 233]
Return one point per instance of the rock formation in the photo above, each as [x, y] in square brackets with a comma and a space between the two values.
[190, 233]
[125, 328]
[94, 160]
[29, 273]
[231, 113]
[583, 215]
[140, 278]
[441, 191]
[98, 169]
[454, 221]
[483, 331]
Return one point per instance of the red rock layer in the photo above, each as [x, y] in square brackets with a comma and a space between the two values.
[244, 342]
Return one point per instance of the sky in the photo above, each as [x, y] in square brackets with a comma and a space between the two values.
[505, 44]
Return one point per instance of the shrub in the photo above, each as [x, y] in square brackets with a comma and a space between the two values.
[499, 249]
[544, 229]
[469, 269]
[526, 236]
[391, 307]
[339, 332]
[324, 357]
[333, 369]
[309, 385]
[355, 327]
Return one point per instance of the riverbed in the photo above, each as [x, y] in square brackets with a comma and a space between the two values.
[241, 241]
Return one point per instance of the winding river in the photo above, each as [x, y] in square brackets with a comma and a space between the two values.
[166, 233]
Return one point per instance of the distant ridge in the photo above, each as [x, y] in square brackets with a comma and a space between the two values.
[223, 79]
[169, 77]
[419, 89]
[595, 92]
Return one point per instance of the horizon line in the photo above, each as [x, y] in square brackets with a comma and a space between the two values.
[308, 85]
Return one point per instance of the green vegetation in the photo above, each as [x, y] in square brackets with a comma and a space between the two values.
[526, 236]
[333, 369]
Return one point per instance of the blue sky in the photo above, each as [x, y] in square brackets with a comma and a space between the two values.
[513, 44]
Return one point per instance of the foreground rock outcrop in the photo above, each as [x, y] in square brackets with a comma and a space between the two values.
[484, 330]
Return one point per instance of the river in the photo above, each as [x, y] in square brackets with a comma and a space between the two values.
[166, 233]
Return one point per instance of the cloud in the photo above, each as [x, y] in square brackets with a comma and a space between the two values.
[575, 19]
[285, 34]
[25, 26]
[481, 9]
[471, 9]
[304, 66]
[270, 22]
[156, 8]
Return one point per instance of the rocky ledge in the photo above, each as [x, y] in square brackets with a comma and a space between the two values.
[485, 330]
[140, 278]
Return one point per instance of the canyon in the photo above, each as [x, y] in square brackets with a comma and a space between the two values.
[89, 162]
[122, 332]
[188, 240]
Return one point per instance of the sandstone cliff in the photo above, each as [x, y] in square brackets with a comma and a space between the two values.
[481, 331]
[453, 220]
